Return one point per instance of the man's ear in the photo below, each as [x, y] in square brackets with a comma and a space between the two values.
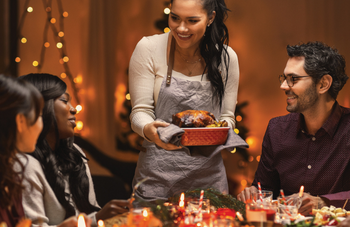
[325, 83]
[21, 122]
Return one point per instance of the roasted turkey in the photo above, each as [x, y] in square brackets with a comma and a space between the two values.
[193, 118]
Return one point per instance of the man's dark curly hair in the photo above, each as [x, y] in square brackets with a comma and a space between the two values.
[321, 60]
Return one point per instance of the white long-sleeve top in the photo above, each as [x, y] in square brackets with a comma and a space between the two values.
[39, 200]
[148, 66]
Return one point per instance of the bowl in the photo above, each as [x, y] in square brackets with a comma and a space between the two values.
[205, 136]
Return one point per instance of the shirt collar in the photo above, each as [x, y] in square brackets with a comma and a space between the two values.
[331, 123]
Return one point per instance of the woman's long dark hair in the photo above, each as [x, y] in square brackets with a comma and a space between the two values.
[65, 160]
[213, 47]
[16, 97]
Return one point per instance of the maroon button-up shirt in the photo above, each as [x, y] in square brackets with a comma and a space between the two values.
[291, 157]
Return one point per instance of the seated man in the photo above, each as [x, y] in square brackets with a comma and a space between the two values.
[311, 145]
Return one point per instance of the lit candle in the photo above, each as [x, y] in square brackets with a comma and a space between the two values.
[239, 216]
[301, 191]
[182, 200]
[81, 221]
[100, 223]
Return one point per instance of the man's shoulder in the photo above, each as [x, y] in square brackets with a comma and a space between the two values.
[290, 118]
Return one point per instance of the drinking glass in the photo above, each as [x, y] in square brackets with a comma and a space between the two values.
[260, 211]
[265, 194]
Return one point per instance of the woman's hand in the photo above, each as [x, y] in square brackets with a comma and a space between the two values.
[246, 194]
[150, 131]
[112, 208]
[73, 221]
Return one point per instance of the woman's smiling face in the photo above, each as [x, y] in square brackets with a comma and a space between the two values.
[188, 22]
[65, 116]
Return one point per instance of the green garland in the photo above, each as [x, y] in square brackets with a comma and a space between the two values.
[217, 200]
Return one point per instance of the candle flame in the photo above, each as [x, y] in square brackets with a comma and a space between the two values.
[301, 191]
[182, 198]
[145, 213]
[81, 221]
[239, 216]
[100, 223]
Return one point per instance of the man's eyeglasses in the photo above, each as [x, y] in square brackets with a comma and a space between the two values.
[290, 79]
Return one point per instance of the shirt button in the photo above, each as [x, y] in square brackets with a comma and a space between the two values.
[309, 166]
[313, 138]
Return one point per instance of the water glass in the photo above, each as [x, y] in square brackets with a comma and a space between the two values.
[266, 196]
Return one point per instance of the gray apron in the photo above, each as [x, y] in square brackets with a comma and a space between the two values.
[173, 172]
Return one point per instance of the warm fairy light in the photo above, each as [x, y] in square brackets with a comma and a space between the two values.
[233, 151]
[80, 125]
[127, 96]
[244, 183]
[48, 9]
[17, 59]
[35, 63]
[53, 20]
[100, 223]
[30, 9]
[63, 75]
[167, 10]
[46, 44]
[23, 40]
[145, 213]
[258, 158]
[61, 61]
[65, 14]
[81, 221]
[236, 130]
[59, 45]
[65, 59]
[166, 30]
[78, 79]
[251, 158]
[238, 118]
[61, 34]
[301, 191]
[78, 108]
[252, 142]
[182, 199]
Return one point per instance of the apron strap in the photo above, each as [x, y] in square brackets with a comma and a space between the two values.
[170, 62]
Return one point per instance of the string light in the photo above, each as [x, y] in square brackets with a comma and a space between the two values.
[46, 44]
[59, 45]
[63, 75]
[61, 34]
[65, 59]
[167, 10]
[78, 79]
[239, 118]
[127, 96]
[78, 108]
[258, 158]
[35, 63]
[166, 30]
[65, 14]
[17, 59]
[52, 20]
[80, 125]
[30, 9]
[24, 40]
[236, 130]
[233, 151]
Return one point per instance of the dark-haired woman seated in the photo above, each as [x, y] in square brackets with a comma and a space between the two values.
[20, 125]
[58, 170]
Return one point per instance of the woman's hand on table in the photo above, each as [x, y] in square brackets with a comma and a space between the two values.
[150, 132]
[73, 221]
[113, 208]
[245, 195]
